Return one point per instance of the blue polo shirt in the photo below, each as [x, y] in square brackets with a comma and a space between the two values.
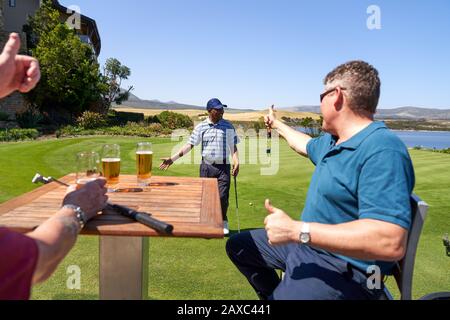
[369, 176]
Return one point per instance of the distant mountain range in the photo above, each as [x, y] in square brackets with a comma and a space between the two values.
[134, 102]
[402, 113]
[414, 113]
[405, 113]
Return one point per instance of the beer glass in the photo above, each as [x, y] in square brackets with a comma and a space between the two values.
[88, 168]
[111, 163]
[144, 162]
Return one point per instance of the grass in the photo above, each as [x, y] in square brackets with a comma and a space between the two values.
[197, 268]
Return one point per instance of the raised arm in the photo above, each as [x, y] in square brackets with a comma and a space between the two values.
[167, 162]
[296, 140]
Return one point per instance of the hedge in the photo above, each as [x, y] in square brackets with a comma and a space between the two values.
[18, 135]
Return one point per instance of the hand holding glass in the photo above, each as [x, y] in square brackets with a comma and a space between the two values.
[88, 168]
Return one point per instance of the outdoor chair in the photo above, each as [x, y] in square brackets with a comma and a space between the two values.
[404, 269]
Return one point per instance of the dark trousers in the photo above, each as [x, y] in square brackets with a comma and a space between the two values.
[223, 174]
[309, 274]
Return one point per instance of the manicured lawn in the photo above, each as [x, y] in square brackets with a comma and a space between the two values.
[200, 269]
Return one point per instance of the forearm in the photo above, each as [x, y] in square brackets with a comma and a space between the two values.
[296, 139]
[54, 238]
[236, 156]
[182, 152]
[362, 239]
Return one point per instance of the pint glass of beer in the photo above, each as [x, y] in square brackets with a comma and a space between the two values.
[88, 168]
[111, 163]
[144, 162]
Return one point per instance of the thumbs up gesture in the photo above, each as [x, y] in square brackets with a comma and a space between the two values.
[271, 119]
[281, 229]
[17, 72]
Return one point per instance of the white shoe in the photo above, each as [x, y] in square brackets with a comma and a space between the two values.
[226, 231]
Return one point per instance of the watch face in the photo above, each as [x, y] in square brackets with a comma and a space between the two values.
[305, 238]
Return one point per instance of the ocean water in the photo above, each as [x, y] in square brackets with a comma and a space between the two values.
[427, 139]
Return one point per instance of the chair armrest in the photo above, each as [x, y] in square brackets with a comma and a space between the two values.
[437, 296]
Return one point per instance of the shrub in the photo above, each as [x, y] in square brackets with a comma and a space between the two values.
[18, 135]
[131, 129]
[69, 131]
[29, 119]
[91, 120]
[152, 119]
[157, 127]
[173, 120]
[117, 118]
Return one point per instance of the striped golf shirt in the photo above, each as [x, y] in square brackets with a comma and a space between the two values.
[218, 140]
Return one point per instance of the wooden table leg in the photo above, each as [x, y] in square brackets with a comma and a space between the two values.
[124, 268]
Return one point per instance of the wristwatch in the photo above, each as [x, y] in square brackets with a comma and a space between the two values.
[79, 213]
[305, 235]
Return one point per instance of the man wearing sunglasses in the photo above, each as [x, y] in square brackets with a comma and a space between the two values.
[357, 213]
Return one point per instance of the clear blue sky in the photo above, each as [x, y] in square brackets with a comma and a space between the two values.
[254, 53]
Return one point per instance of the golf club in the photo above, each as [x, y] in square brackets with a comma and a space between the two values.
[269, 138]
[38, 178]
[237, 204]
[446, 244]
[142, 217]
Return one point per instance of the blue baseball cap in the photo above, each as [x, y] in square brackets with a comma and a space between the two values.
[215, 104]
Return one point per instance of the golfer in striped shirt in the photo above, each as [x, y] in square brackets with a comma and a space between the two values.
[219, 140]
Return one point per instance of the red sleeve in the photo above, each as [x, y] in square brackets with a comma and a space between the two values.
[18, 259]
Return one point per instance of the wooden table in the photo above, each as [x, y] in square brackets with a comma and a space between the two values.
[191, 205]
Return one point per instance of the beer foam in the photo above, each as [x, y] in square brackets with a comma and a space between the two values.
[111, 160]
[144, 152]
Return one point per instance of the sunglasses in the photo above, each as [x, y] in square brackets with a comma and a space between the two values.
[323, 95]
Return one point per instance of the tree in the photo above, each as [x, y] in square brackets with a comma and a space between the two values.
[71, 82]
[173, 120]
[44, 21]
[259, 125]
[114, 73]
[307, 123]
[320, 122]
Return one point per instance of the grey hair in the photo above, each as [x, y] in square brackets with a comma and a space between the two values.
[362, 84]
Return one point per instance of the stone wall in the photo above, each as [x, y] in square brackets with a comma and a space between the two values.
[12, 104]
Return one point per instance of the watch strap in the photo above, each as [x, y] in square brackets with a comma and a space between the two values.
[306, 228]
[79, 214]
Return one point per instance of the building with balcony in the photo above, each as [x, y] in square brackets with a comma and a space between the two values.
[14, 15]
